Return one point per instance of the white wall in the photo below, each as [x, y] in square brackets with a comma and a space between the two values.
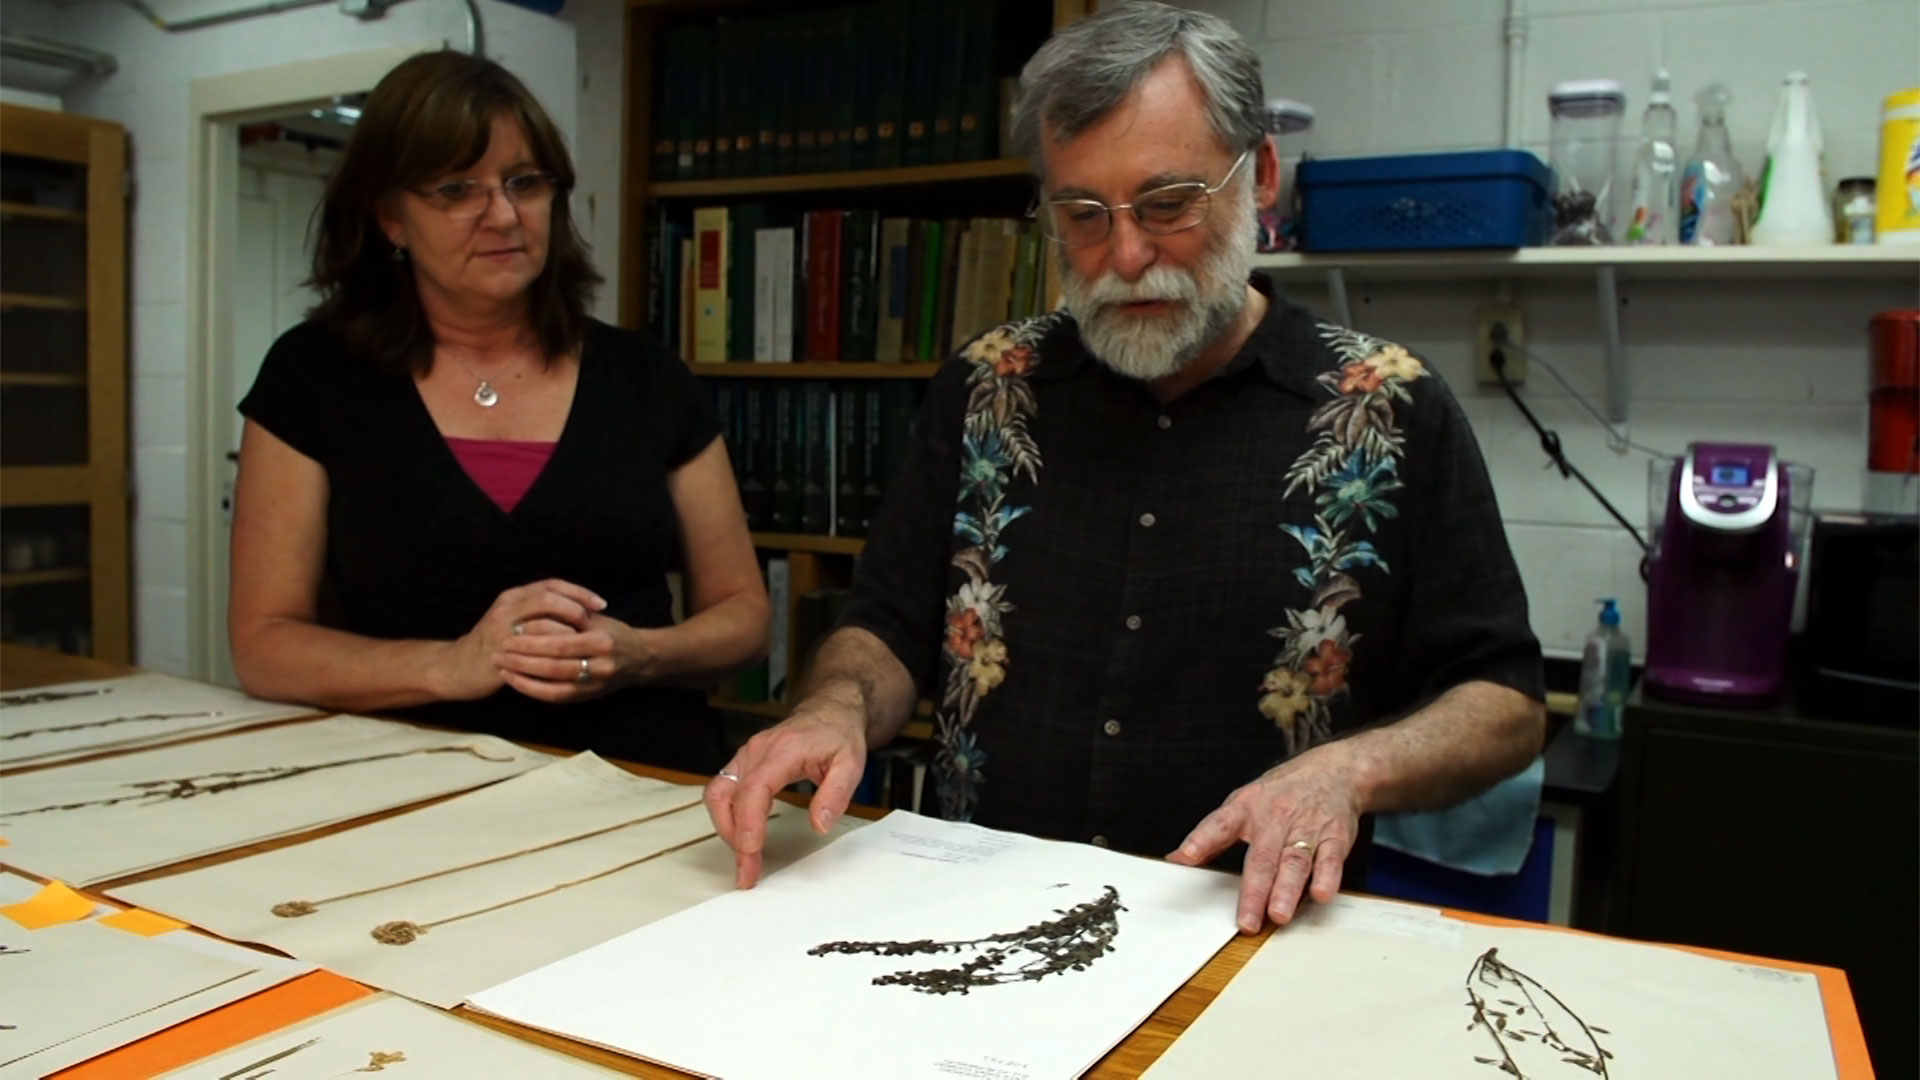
[1779, 362]
[150, 94]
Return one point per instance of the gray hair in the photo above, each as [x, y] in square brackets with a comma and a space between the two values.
[1088, 68]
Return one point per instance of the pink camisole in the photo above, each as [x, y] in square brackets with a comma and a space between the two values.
[503, 468]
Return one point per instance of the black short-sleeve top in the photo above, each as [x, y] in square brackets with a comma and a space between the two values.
[415, 549]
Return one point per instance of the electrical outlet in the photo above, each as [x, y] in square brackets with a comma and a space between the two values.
[1515, 322]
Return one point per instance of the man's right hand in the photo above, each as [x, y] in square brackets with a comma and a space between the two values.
[824, 741]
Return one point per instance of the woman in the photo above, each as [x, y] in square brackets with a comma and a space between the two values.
[488, 487]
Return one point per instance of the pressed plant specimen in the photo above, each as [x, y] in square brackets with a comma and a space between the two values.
[41, 697]
[109, 722]
[293, 909]
[1071, 941]
[177, 789]
[401, 932]
[1510, 1021]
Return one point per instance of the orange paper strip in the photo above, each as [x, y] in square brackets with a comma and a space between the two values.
[51, 906]
[222, 1029]
[144, 923]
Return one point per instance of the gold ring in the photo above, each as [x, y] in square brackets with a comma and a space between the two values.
[584, 673]
[1303, 845]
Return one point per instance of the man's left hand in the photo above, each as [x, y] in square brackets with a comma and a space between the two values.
[1299, 822]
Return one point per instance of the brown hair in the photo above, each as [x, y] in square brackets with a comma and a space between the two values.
[431, 115]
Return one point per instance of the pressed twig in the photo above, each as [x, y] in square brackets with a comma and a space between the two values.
[1081, 935]
[1488, 968]
[245, 1070]
[293, 909]
[219, 783]
[41, 697]
[107, 723]
[401, 932]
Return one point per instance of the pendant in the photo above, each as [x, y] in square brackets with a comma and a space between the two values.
[486, 396]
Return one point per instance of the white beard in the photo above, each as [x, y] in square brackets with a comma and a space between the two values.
[1151, 348]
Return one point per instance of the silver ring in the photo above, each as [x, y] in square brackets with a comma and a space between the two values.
[728, 776]
[519, 628]
[584, 673]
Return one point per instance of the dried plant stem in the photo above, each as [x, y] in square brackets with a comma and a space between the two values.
[107, 723]
[1489, 968]
[41, 697]
[401, 932]
[296, 908]
[244, 1070]
[1081, 935]
[218, 783]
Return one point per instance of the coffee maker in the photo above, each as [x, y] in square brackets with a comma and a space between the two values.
[1729, 521]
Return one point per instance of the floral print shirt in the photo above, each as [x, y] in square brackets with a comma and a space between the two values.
[1123, 610]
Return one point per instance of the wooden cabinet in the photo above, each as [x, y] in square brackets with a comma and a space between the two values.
[64, 565]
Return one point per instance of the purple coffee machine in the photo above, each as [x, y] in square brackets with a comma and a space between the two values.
[1728, 523]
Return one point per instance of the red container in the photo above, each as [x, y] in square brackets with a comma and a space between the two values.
[1894, 415]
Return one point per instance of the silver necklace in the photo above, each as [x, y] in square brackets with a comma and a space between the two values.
[484, 395]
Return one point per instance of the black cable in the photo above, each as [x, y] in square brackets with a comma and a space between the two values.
[1550, 442]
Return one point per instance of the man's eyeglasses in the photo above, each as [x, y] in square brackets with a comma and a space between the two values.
[470, 198]
[1164, 210]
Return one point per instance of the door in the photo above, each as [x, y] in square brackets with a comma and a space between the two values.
[280, 186]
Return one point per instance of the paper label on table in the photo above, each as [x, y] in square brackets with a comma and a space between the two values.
[96, 820]
[1349, 1002]
[1002, 956]
[144, 923]
[489, 884]
[1393, 919]
[54, 904]
[78, 989]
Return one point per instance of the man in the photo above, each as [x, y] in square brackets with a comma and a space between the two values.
[1181, 552]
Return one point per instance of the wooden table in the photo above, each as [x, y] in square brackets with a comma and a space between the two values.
[22, 668]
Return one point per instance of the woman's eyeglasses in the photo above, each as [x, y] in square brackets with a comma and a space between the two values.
[470, 198]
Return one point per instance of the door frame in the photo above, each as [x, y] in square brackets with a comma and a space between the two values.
[219, 105]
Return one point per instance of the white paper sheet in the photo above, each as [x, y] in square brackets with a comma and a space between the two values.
[122, 714]
[77, 990]
[468, 854]
[1368, 988]
[182, 801]
[345, 1042]
[745, 998]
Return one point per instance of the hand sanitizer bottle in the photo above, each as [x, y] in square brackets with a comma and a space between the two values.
[1605, 671]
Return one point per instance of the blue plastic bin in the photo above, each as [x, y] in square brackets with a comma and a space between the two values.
[1423, 202]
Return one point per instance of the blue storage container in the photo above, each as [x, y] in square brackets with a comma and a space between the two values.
[1420, 202]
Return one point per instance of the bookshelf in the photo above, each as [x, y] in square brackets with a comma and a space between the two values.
[815, 133]
[64, 563]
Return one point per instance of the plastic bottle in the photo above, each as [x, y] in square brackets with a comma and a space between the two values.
[1712, 176]
[1793, 187]
[1606, 668]
[1655, 218]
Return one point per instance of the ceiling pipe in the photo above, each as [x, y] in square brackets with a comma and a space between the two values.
[271, 7]
[57, 54]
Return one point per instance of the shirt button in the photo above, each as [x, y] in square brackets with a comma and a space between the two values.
[1147, 520]
[1165, 422]
[1111, 727]
[1100, 841]
[1133, 622]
